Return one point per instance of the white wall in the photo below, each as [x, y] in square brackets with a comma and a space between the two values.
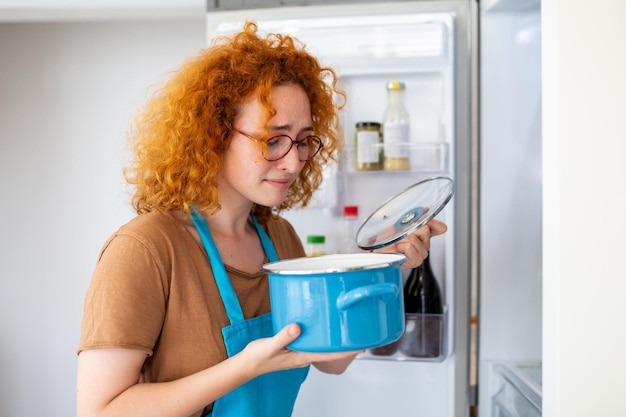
[584, 145]
[68, 92]
[68, 10]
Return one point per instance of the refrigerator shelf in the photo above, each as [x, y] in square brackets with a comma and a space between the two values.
[424, 339]
[423, 157]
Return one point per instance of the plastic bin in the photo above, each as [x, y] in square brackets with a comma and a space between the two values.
[424, 339]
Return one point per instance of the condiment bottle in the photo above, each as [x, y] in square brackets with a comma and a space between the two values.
[315, 245]
[367, 140]
[396, 129]
[349, 229]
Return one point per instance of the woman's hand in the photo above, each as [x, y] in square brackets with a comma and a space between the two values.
[416, 246]
[108, 378]
[271, 354]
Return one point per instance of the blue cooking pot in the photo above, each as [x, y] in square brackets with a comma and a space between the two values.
[341, 302]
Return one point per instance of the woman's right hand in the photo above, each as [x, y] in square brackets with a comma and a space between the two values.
[271, 354]
[107, 380]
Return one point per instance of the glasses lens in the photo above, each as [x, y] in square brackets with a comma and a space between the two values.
[279, 146]
[308, 147]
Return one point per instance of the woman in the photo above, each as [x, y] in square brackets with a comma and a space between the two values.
[176, 318]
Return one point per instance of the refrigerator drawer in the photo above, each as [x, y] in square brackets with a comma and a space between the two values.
[520, 393]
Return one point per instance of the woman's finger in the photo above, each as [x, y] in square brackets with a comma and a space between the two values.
[437, 227]
[287, 334]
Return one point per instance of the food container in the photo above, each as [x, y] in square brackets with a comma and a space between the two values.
[315, 245]
[367, 143]
[354, 301]
[342, 302]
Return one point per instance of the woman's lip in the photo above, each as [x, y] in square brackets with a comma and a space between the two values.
[282, 184]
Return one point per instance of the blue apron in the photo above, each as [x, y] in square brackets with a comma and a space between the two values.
[268, 395]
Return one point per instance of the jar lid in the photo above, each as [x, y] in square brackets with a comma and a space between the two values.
[361, 125]
[316, 239]
[404, 213]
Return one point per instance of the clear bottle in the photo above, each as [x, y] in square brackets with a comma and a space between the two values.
[349, 229]
[367, 140]
[316, 245]
[396, 129]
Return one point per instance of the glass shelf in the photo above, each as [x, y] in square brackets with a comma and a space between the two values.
[423, 157]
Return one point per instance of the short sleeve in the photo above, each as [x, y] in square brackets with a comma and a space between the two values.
[126, 301]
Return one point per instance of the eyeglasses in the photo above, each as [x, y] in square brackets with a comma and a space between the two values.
[280, 145]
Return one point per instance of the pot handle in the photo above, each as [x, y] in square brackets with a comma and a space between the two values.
[386, 292]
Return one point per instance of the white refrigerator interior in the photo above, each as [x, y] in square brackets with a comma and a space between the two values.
[369, 45]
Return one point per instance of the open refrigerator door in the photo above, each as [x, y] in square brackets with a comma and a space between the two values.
[424, 45]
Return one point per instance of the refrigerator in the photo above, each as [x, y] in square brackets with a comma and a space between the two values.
[433, 48]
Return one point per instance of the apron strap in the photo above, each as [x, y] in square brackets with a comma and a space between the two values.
[225, 287]
[268, 246]
[227, 292]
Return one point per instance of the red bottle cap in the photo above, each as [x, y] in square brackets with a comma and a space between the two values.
[350, 211]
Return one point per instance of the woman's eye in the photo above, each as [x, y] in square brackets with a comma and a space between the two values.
[274, 142]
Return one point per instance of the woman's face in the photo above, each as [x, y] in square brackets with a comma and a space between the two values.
[246, 176]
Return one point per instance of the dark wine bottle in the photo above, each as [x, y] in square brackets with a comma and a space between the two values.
[421, 292]
[423, 306]
[414, 291]
[432, 300]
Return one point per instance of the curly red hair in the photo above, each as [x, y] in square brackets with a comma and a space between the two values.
[185, 129]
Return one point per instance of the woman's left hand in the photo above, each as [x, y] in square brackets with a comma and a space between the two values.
[416, 245]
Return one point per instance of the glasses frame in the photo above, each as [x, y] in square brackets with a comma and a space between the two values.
[296, 142]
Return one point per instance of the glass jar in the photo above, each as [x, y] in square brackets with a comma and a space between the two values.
[367, 146]
[315, 245]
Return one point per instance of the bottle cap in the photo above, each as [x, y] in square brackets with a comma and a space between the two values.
[315, 239]
[350, 211]
[395, 85]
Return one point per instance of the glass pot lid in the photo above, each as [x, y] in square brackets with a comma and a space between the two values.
[404, 213]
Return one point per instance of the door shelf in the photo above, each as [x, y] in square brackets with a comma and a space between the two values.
[424, 339]
[423, 157]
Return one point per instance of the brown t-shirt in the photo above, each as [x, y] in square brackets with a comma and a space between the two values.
[153, 290]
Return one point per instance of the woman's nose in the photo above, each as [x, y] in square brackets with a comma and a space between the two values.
[291, 162]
